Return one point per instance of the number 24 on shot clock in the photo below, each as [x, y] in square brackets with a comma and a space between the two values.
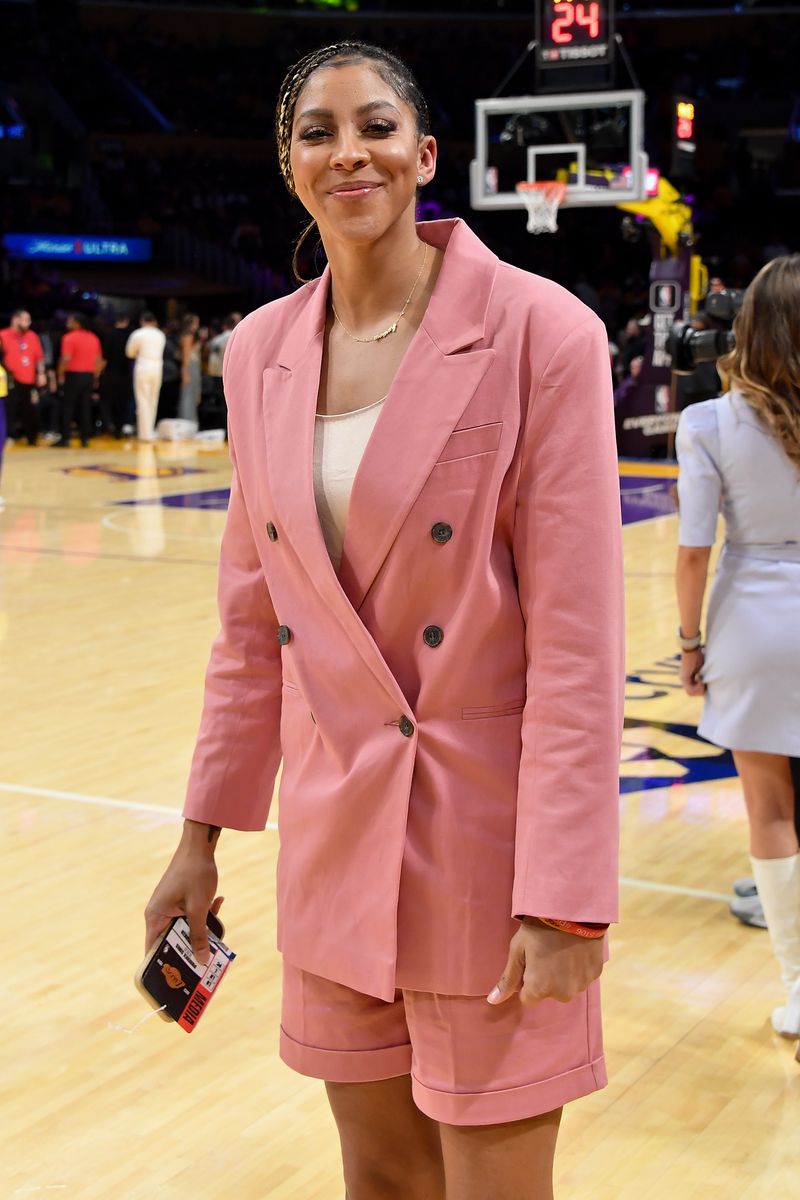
[572, 32]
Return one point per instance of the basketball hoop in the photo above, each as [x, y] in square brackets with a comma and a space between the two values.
[542, 200]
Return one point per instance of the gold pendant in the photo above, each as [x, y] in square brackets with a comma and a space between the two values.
[380, 336]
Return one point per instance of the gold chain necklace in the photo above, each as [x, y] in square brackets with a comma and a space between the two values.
[393, 327]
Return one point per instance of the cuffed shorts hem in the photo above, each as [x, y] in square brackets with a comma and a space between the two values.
[451, 1108]
[345, 1066]
[512, 1104]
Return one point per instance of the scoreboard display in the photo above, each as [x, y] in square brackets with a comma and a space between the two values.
[574, 33]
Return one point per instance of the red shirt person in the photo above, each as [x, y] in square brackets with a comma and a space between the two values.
[23, 359]
[80, 351]
[79, 368]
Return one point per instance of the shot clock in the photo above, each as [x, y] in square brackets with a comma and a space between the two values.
[574, 33]
[684, 138]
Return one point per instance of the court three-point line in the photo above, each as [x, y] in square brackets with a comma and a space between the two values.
[161, 810]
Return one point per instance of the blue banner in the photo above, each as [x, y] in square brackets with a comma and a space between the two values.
[77, 247]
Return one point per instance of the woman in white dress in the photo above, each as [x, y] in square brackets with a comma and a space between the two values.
[740, 454]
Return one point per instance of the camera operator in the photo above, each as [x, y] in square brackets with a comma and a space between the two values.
[696, 346]
[740, 453]
[704, 382]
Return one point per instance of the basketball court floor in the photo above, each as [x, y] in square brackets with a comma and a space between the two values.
[107, 611]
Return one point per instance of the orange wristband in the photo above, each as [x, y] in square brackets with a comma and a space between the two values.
[576, 927]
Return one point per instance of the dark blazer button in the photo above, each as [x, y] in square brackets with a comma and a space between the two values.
[272, 532]
[442, 532]
[433, 635]
[406, 727]
[284, 635]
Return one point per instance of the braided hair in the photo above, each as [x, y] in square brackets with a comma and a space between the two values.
[391, 69]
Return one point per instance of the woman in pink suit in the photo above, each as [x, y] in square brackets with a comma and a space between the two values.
[421, 608]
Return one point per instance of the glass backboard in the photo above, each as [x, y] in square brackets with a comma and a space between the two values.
[591, 141]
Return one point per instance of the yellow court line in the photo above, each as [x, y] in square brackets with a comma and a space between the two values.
[652, 470]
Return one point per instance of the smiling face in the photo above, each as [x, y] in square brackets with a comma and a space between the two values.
[356, 152]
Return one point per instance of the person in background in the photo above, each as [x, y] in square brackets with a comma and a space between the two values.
[191, 375]
[24, 365]
[216, 354]
[146, 347]
[50, 335]
[79, 368]
[117, 386]
[3, 399]
[630, 382]
[741, 452]
[633, 343]
[171, 378]
[703, 383]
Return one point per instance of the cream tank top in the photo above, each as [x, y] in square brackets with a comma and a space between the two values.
[339, 443]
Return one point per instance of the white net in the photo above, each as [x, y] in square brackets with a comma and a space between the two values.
[542, 201]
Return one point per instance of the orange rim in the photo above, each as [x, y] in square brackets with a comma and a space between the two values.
[551, 188]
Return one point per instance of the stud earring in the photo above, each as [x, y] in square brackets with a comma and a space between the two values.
[420, 179]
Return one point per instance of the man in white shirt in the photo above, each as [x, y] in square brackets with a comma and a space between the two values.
[146, 347]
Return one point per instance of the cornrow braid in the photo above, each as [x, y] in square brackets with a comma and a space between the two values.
[290, 89]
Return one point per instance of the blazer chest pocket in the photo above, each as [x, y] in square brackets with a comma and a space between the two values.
[469, 442]
[509, 709]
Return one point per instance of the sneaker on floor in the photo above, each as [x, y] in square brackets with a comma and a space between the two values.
[749, 911]
[745, 886]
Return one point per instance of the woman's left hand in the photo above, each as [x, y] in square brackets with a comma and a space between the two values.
[548, 964]
[692, 662]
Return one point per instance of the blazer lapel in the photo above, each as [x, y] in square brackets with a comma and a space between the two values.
[429, 394]
[436, 380]
[289, 404]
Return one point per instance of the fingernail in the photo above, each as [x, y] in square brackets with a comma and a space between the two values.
[494, 995]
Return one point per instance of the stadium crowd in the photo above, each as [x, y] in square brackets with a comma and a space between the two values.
[72, 376]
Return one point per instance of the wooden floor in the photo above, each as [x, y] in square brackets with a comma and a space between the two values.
[106, 614]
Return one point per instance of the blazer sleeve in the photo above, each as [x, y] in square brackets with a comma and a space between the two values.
[238, 750]
[568, 556]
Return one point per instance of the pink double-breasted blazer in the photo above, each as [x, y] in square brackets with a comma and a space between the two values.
[448, 708]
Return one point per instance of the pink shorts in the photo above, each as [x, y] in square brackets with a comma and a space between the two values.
[471, 1063]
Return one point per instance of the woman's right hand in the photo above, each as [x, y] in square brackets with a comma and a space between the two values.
[187, 888]
[692, 662]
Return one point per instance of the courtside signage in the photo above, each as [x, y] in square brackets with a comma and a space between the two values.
[78, 248]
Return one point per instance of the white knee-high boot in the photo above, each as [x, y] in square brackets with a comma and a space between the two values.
[778, 883]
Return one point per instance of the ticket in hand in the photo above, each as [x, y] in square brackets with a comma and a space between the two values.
[174, 982]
